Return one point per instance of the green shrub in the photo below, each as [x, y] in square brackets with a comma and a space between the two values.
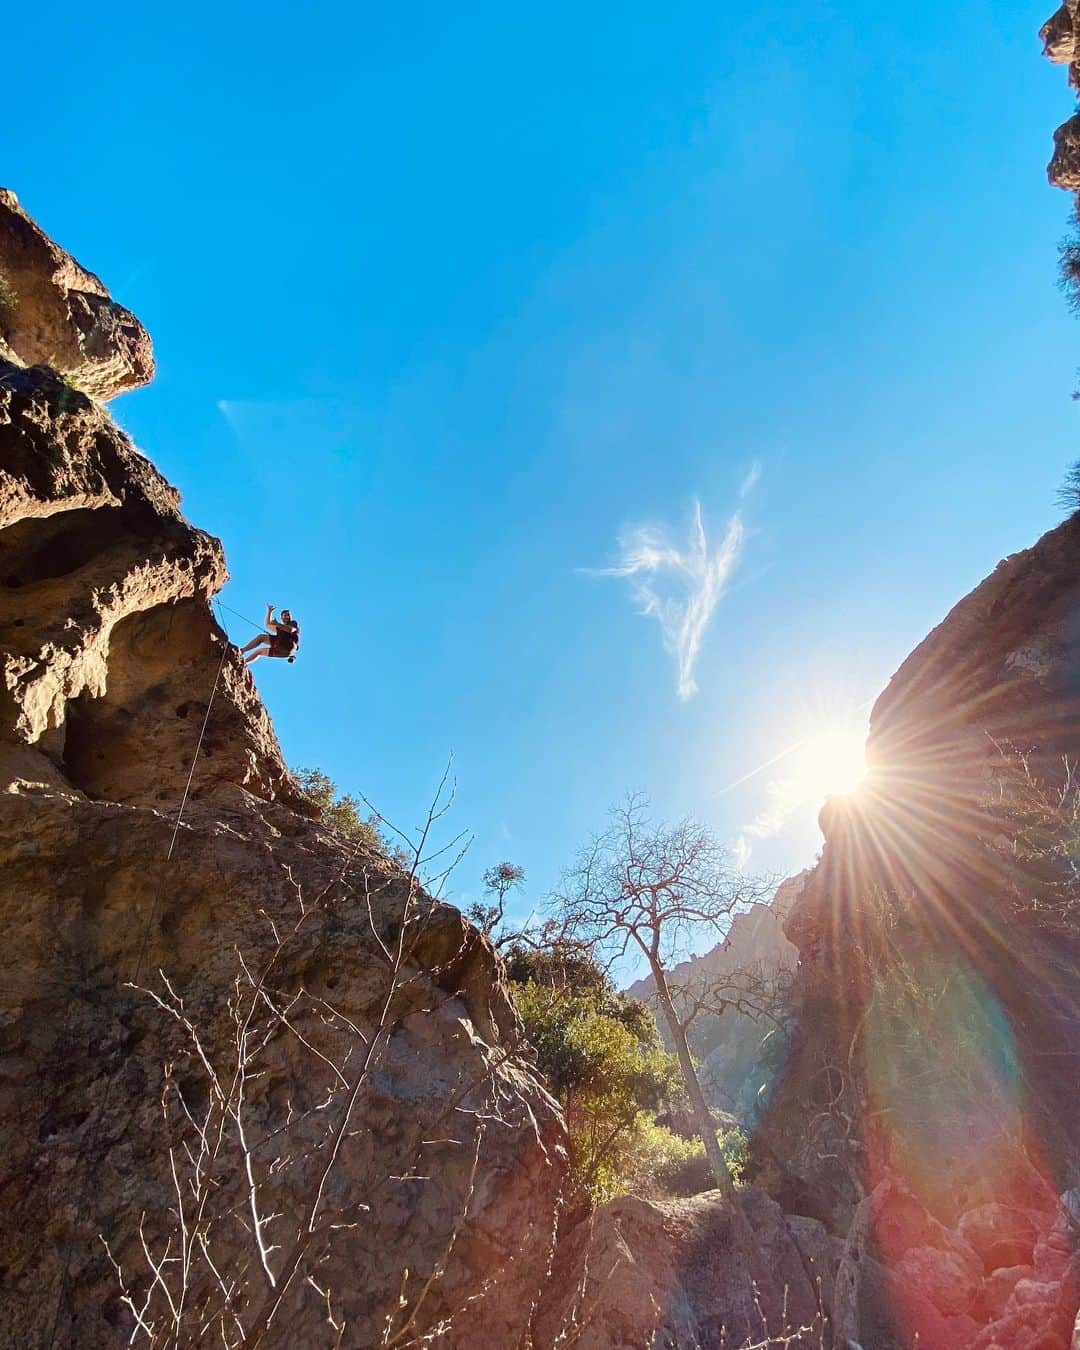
[671, 1165]
[342, 812]
[602, 1057]
[9, 299]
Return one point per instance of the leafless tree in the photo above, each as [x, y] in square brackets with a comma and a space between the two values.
[653, 887]
[254, 1142]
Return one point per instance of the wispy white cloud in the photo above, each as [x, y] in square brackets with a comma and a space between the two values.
[698, 574]
[784, 797]
[751, 480]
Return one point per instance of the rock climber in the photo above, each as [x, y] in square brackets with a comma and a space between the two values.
[282, 638]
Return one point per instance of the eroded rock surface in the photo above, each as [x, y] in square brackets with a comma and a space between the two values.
[448, 1162]
[667, 1273]
[53, 312]
[937, 1046]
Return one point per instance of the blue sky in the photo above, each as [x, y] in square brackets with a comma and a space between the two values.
[447, 300]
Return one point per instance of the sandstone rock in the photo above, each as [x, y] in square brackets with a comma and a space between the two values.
[1001, 1234]
[920, 833]
[893, 1313]
[1063, 170]
[447, 1177]
[655, 1274]
[83, 1062]
[53, 312]
[821, 1254]
[997, 1290]
[108, 649]
[1055, 1252]
[943, 1277]
[1057, 36]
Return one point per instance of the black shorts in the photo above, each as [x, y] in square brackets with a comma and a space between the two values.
[281, 645]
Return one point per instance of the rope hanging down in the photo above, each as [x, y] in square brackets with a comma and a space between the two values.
[84, 1187]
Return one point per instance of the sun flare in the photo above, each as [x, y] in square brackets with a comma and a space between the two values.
[830, 764]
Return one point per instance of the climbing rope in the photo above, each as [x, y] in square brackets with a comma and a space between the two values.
[221, 606]
[83, 1190]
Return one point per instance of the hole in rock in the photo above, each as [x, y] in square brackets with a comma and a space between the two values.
[136, 741]
[44, 549]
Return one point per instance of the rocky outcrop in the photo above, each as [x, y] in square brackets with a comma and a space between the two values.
[668, 1273]
[108, 647]
[351, 1041]
[929, 1102]
[938, 1036]
[1059, 37]
[55, 313]
[947, 1288]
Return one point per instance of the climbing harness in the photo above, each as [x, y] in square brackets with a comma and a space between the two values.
[289, 655]
[79, 1208]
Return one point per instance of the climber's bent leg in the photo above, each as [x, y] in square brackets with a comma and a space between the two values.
[261, 649]
[255, 642]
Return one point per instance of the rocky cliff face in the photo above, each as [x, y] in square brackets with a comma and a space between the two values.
[756, 959]
[1061, 43]
[930, 1101]
[323, 1121]
[937, 1061]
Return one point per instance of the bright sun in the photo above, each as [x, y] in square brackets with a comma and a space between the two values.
[832, 763]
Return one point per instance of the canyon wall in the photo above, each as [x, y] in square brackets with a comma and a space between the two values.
[244, 1058]
[929, 1105]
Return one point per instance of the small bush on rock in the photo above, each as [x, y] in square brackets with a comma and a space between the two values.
[342, 812]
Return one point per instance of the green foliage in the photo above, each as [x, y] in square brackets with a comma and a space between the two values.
[582, 1047]
[499, 881]
[602, 1057]
[557, 965]
[9, 300]
[668, 1164]
[503, 877]
[342, 812]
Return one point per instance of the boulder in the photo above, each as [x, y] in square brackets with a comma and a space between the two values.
[893, 1311]
[1038, 1315]
[1001, 1234]
[53, 312]
[681, 1122]
[658, 1273]
[997, 1289]
[943, 1277]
